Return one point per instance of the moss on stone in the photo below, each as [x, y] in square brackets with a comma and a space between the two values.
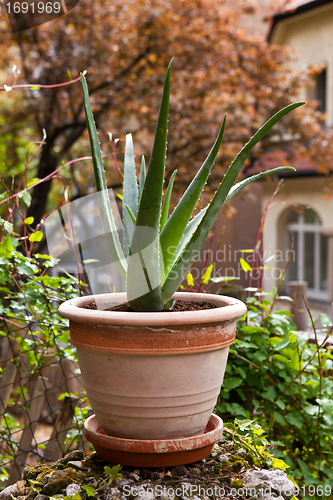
[236, 483]
[95, 464]
[61, 481]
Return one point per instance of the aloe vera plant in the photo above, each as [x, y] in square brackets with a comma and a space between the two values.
[158, 251]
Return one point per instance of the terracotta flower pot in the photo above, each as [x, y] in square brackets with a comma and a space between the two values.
[153, 375]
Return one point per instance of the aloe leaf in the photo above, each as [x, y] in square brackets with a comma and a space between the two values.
[108, 221]
[178, 220]
[240, 185]
[148, 218]
[130, 193]
[187, 235]
[142, 177]
[151, 199]
[178, 272]
[166, 204]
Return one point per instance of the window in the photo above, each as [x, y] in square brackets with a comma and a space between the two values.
[320, 90]
[309, 256]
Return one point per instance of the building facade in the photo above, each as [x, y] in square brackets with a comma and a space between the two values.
[299, 225]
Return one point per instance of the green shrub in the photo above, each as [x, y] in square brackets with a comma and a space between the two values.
[32, 334]
[278, 378]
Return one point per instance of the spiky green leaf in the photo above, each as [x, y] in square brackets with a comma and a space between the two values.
[166, 204]
[189, 231]
[174, 228]
[142, 179]
[130, 193]
[144, 250]
[130, 213]
[108, 221]
[178, 272]
[240, 185]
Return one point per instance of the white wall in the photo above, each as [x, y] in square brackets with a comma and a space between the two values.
[311, 33]
[305, 191]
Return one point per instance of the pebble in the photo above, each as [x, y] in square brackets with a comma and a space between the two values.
[21, 487]
[273, 480]
[92, 481]
[74, 455]
[123, 481]
[224, 458]
[228, 446]
[9, 492]
[72, 489]
[182, 471]
[76, 464]
[195, 471]
[155, 476]
[146, 473]
[134, 476]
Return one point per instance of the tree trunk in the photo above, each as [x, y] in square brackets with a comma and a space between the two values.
[47, 165]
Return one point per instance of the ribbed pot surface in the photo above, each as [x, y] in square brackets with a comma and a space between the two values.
[159, 375]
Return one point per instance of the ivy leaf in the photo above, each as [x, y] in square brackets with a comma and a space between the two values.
[269, 393]
[279, 464]
[90, 490]
[279, 418]
[7, 225]
[26, 197]
[326, 404]
[281, 404]
[76, 496]
[6, 244]
[26, 268]
[231, 383]
[281, 345]
[113, 472]
[312, 409]
[295, 419]
[325, 320]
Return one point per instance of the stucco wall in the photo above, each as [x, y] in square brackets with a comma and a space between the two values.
[311, 33]
[306, 191]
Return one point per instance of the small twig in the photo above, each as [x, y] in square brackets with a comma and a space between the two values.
[33, 86]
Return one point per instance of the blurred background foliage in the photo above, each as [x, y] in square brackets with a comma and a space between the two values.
[125, 46]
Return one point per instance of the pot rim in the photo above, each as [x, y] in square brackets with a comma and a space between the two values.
[228, 308]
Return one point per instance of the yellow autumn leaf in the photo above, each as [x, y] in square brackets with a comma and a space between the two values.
[245, 265]
[206, 276]
[189, 278]
[37, 236]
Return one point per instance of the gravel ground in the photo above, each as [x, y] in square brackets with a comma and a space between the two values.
[226, 473]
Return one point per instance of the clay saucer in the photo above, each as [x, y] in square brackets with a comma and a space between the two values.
[153, 452]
